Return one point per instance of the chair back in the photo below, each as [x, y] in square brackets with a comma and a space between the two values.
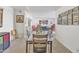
[40, 43]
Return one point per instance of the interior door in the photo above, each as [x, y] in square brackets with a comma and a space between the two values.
[20, 30]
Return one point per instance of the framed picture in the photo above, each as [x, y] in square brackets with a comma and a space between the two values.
[19, 18]
[65, 18]
[43, 21]
[75, 16]
[59, 20]
[75, 10]
[1, 17]
[70, 17]
[29, 22]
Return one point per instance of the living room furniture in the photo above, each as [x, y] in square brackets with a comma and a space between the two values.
[4, 40]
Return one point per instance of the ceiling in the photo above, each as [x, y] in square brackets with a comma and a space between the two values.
[43, 8]
[36, 9]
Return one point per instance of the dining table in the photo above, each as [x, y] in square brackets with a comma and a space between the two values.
[31, 42]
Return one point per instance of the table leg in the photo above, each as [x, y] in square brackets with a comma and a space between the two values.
[50, 46]
[26, 46]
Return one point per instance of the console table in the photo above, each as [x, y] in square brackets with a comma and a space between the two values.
[4, 40]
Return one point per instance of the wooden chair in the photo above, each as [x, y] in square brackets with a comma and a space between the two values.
[13, 33]
[39, 43]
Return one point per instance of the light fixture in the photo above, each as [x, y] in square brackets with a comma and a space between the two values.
[20, 11]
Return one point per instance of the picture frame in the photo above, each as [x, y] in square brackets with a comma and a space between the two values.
[29, 22]
[1, 17]
[59, 19]
[19, 18]
[76, 16]
[43, 21]
[70, 19]
[65, 18]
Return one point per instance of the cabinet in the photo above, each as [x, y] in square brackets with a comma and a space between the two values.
[4, 41]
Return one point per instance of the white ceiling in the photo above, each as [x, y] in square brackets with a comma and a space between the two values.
[43, 8]
[36, 9]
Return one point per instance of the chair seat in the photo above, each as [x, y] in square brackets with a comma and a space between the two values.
[39, 48]
[43, 50]
[39, 45]
[40, 41]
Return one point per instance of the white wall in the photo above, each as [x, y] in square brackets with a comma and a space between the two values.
[27, 15]
[19, 26]
[7, 19]
[46, 15]
[50, 14]
[68, 34]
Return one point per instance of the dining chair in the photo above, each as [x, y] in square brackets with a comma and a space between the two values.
[40, 43]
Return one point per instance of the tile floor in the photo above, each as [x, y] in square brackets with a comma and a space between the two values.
[17, 46]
